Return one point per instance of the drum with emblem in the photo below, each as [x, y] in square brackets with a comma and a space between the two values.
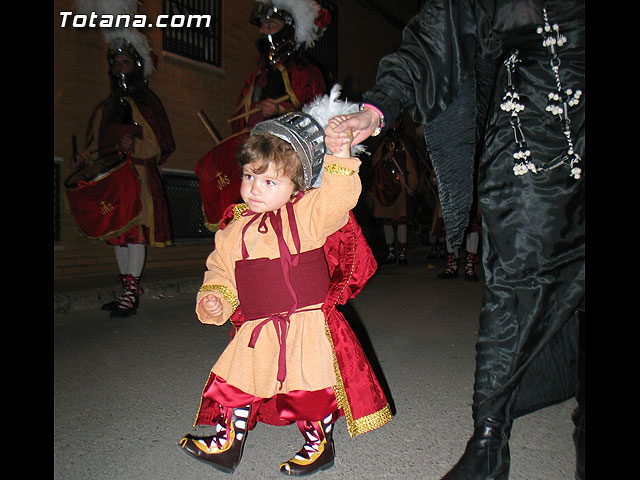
[104, 197]
[219, 179]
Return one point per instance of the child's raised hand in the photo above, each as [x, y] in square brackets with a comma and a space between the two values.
[211, 305]
[341, 148]
[362, 125]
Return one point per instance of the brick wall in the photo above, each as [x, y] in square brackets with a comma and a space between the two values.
[80, 81]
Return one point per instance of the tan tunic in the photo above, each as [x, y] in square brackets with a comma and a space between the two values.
[309, 359]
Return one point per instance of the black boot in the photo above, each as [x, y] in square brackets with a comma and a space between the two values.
[469, 269]
[111, 306]
[317, 453]
[223, 450]
[128, 303]
[391, 255]
[402, 255]
[487, 454]
[452, 268]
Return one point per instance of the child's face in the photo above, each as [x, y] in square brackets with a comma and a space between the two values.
[267, 191]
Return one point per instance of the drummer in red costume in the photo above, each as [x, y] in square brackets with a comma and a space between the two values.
[283, 81]
[282, 263]
[133, 122]
[285, 26]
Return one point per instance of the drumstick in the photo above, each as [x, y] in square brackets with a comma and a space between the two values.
[256, 110]
[208, 126]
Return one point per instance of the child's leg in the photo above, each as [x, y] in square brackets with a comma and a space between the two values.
[317, 452]
[224, 449]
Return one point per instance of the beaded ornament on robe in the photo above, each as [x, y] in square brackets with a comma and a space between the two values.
[559, 103]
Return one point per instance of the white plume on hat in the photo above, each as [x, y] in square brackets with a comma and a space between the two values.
[118, 37]
[325, 107]
[304, 13]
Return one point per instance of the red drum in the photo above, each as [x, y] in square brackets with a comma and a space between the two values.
[219, 179]
[104, 197]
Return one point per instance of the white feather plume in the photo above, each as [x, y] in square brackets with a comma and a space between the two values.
[304, 13]
[117, 36]
[324, 108]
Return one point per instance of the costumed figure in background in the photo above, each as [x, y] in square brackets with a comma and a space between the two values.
[133, 123]
[283, 261]
[472, 241]
[394, 179]
[504, 80]
[283, 81]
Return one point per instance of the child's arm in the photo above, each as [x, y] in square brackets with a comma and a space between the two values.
[217, 298]
[326, 209]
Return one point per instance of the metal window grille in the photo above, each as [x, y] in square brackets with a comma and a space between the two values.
[199, 42]
[185, 207]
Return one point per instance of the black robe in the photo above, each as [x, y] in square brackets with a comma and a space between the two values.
[450, 75]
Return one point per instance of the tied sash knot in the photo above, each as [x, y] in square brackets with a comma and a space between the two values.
[280, 321]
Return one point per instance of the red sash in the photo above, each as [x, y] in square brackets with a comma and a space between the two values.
[262, 288]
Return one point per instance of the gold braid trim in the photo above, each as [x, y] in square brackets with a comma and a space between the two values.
[336, 169]
[237, 211]
[287, 86]
[338, 388]
[226, 293]
[373, 420]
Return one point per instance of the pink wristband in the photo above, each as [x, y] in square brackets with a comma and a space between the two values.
[374, 108]
[381, 119]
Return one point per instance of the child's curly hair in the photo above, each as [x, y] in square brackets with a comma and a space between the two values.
[264, 150]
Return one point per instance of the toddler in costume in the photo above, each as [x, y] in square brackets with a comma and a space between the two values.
[283, 261]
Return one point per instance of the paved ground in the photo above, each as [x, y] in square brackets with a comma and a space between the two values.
[126, 390]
